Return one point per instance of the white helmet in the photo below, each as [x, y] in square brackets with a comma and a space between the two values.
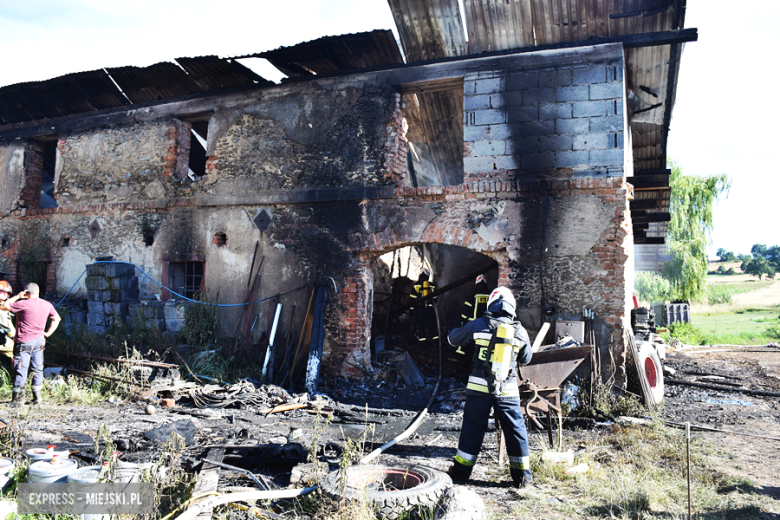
[503, 294]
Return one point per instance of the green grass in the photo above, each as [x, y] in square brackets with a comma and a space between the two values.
[741, 327]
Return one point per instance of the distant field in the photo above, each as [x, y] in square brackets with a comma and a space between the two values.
[753, 326]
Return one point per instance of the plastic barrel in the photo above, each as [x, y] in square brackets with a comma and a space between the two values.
[6, 468]
[86, 476]
[36, 454]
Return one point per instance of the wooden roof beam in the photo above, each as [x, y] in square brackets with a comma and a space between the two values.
[649, 182]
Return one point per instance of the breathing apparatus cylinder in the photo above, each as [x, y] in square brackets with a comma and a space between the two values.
[501, 360]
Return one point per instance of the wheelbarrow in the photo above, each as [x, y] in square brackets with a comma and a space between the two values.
[540, 384]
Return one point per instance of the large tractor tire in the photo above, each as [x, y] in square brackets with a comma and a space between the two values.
[650, 364]
[393, 489]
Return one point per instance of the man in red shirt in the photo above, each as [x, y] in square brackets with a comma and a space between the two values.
[32, 313]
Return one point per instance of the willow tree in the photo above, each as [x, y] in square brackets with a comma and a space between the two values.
[690, 229]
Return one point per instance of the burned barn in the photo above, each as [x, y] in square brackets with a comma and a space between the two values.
[528, 146]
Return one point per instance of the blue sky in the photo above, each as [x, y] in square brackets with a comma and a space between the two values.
[724, 120]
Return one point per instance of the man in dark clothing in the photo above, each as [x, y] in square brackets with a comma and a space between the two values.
[32, 313]
[426, 326]
[492, 386]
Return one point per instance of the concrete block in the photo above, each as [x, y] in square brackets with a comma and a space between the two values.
[555, 143]
[511, 98]
[615, 172]
[115, 309]
[111, 270]
[606, 124]
[97, 283]
[118, 284]
[555, 78]
[488, 86]
[146, 311]
[128, 295]
[578, 93]
[478, 164]
[588, 75]
[535, 128]
[539, 161]
[95, 307]
[77, 317]
[571, 126]
[606, 157]
[98, 319]
[589, 108]
[555, 111]
[489, 117]
[175, 310]
[469, 87]
[522, 81]
[508, 162]
[538, 96]
[615, 107]
[590, 142]
[476, 102]
[606, 91]
[583, 173]
[490, 132]
[498, 100]
[518, 114]
[491, 148]
[522, 145]
[174, 325]
[615, 140]
[572, 159]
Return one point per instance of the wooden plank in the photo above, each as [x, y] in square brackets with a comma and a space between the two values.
[643, 204]
[662, 171]
[651, 241]
[646, 182]
[640, 225]
[208, 481]
[659, 216]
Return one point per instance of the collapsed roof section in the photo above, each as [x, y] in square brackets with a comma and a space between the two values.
[114, 87]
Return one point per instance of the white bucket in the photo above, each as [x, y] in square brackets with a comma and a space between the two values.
[47, 472]
[127, 472]
[86, 476]
[36, 454]
[6, 468]
[559, 457]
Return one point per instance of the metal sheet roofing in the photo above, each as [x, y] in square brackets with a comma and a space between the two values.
[335, 54]
[215, 73]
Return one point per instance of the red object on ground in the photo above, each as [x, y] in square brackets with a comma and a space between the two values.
[168, 403]
[636, 301]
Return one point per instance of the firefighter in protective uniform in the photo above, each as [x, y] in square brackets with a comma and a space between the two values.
[426, 327]
[501, 343]
[7, 330]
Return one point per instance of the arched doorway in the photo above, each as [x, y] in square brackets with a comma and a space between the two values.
[400, 324]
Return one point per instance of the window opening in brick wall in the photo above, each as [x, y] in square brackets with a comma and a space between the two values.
[47, 177]
[186, 278]
[197, 159]
[434, 113]
[65, 241]
[220, 239]
[148, 238]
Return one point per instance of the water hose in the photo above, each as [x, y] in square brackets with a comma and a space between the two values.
[195, 510]
[420, 417]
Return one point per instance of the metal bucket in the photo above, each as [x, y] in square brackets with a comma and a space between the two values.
[47, 472]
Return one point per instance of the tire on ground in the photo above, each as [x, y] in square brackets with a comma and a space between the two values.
[650, 363]
[393, 489]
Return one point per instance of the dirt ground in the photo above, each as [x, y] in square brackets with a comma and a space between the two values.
[284, 439]
[766, 296]
[749, 369]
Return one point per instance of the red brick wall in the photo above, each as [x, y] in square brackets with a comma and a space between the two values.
[30, 197]
[177, 157]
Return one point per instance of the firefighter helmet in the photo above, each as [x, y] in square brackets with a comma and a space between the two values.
[480, 279]
[5, 287]
[503, 294]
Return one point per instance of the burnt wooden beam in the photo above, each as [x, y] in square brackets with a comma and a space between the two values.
[640, 225]
[639, 233]
[649, 182]
[661, 171]
[660, 216]
[643, 204]
[651, 241]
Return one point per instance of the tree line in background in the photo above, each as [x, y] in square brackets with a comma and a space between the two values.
[690, 229]
[761, 261]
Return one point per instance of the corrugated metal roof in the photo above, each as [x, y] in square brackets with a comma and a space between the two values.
[153, 83]
[215, 73]
[335, 53]
[70, 94]
[429, 29]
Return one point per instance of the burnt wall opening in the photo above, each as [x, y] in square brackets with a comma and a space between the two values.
[400, 324]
